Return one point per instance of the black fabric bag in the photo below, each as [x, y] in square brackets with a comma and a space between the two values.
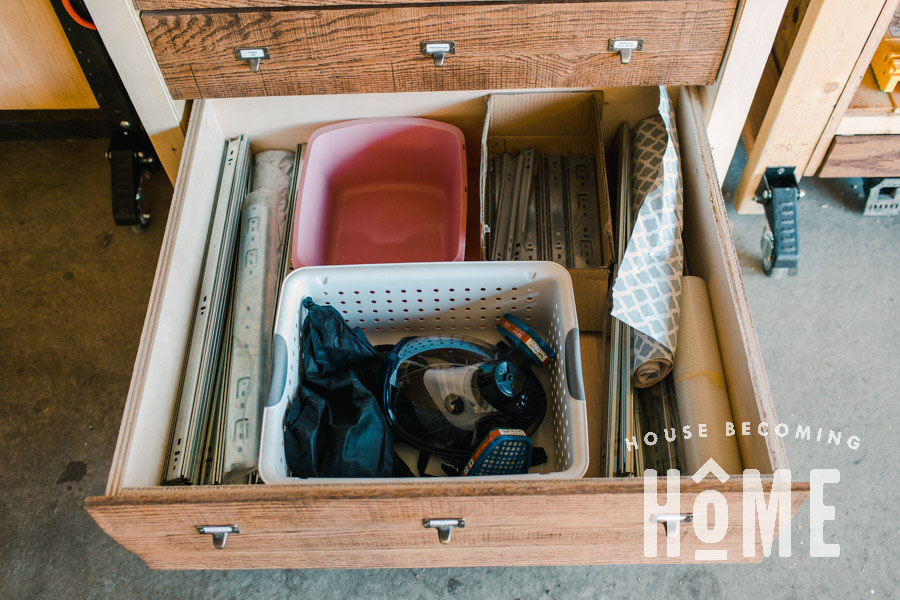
[336, 427]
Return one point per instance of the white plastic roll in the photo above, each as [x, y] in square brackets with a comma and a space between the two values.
[700, 383]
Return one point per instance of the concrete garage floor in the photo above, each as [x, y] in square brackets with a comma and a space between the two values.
[73, 291]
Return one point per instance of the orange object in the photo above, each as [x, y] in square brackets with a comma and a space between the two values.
[67, 4]
[886, 63]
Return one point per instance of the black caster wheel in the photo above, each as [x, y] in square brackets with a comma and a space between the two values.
[767, 248]
[141, 225]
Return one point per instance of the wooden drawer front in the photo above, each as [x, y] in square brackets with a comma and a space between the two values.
[363, 50]
[575, 522]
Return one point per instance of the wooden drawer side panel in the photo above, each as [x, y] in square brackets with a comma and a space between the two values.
[710, 253]
[498, 46]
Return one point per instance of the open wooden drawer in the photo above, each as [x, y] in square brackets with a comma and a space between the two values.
[591, 520]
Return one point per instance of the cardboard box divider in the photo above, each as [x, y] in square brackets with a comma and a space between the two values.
[555, 123]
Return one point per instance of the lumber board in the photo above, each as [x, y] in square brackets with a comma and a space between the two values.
[794, 12]
[727, 103]
[869, 99]
[862, 156]
[761, 100]
[852, 84]
[821, 60]
[862, 124]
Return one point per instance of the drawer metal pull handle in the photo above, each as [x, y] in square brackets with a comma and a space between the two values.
[438, 50]
[671, 521]
[253, 56]
[219, 533]
[625, 46]
[444, 527]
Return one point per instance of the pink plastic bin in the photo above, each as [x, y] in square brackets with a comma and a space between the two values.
[384, 190]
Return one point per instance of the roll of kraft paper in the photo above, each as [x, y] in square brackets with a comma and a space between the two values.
[700, 383]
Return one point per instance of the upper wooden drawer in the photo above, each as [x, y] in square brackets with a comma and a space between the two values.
[377, 49]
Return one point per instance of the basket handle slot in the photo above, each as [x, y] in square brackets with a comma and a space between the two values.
[573, 364]
[279, 371]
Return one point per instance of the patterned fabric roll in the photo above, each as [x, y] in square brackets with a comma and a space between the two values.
[647, 289]
[652, 361]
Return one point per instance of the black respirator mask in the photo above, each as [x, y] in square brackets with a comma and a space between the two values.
[444, 393]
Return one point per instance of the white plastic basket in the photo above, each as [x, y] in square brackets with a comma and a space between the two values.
[391, 302]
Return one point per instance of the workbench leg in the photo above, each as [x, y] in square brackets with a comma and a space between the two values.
[727, 102]
[828, 44]
[126, 42]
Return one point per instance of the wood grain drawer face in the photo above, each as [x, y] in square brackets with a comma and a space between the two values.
[336, 525]
[498, 46]
[269, 4]
[575, 522]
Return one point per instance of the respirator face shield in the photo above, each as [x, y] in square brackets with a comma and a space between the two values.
[444, 393]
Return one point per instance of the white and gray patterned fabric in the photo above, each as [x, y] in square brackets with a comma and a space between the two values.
[647, 289]
[651, 360]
